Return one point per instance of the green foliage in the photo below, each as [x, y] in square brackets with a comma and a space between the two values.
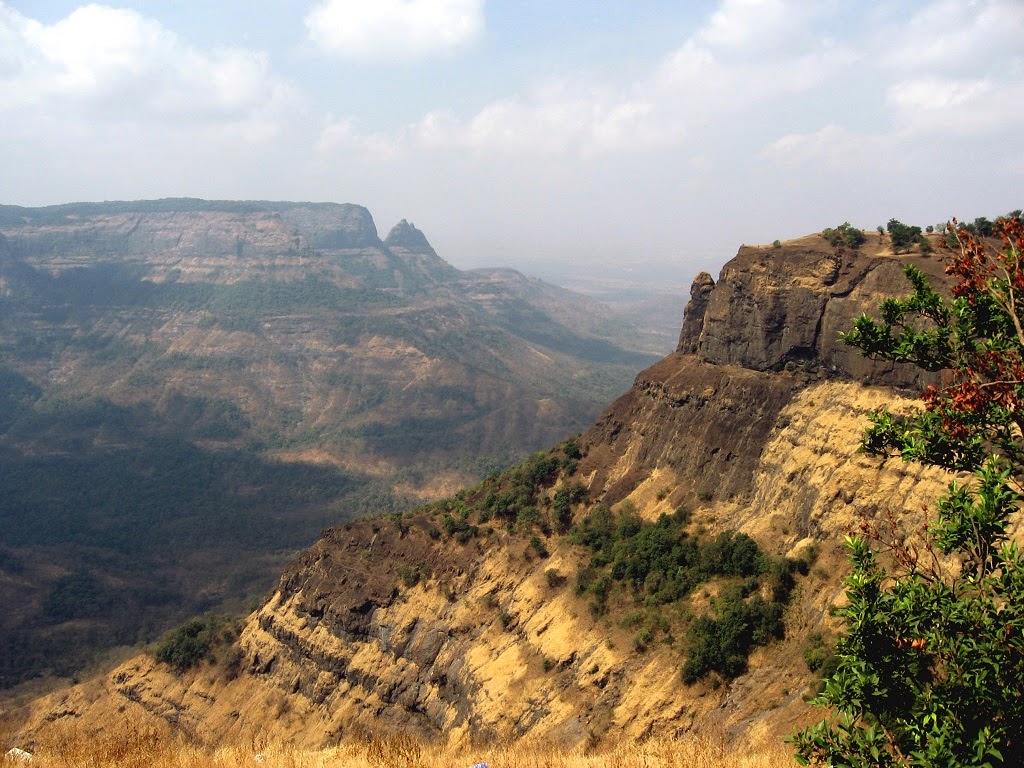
[565, 497]
[819, 655]
[918, 328]
[902, 235]
[195, 641]
[410, 575]
[661, 564]
[78, 595]
[930, 670]
[571, 449]
[981, 227]
[722, 643]
[844, 234]
[554, 578]
[538, 546]
[458, 527]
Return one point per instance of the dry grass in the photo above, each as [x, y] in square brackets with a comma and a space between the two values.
[149, 746]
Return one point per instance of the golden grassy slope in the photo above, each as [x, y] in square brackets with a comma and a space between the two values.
[137, 745]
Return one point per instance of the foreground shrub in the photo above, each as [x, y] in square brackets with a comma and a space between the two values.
[930, 671]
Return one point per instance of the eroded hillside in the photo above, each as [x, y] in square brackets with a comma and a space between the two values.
[190, 391]
[564, 599]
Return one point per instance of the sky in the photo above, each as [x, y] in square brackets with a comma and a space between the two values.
[561, 135]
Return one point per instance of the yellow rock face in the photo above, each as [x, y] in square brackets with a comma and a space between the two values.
[485, 648]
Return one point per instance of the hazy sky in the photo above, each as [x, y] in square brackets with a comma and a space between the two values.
[519, 131]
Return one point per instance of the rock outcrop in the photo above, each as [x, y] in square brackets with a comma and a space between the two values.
[783, 307]
[693, 316]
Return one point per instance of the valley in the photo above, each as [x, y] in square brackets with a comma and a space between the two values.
[534, 605]
[192, 390]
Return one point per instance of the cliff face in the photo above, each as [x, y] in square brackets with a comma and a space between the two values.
[777, 306]
[386, 625]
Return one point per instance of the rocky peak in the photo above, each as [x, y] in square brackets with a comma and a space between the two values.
[784, 307]
[693, 315]
[405, 235]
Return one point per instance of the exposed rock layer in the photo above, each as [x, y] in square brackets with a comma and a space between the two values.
[787, 305]
[297, 369]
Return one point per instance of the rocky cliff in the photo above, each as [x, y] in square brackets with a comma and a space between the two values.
[753, 425]
[785, 306]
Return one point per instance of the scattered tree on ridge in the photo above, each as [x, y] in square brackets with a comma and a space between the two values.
[902, 235]
[844, 233]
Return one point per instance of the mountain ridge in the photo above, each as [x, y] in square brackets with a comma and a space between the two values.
[468, 628]
[299, 370]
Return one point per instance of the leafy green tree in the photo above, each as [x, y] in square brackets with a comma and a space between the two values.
[186, 646]
[930, 671]
[983, 227]
[902, 235]
[844, 233]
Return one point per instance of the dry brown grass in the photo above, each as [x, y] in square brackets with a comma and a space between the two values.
[135, 745]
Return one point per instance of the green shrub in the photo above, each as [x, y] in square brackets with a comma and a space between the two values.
[539, 547]
[187, 645]
[902, 235]
[554, 578]
[844, 234]
[819, 655]
[722, 643]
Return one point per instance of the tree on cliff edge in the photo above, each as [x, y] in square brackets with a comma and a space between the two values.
[931, 668]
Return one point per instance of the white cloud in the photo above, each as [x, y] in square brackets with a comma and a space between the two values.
[706, 80]
[936, 94]
[344, 134]
[833, 147]
[108, 63]
[551, 122]
[395, 29]
[952, 35]
[973, 107]
[745, 24]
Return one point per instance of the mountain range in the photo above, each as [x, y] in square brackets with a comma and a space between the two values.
[670, 570]
[192, 390]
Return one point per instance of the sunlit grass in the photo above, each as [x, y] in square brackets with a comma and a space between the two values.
[151, 746]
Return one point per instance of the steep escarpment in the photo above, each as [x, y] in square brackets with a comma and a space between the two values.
[495, 614]
[786, 305]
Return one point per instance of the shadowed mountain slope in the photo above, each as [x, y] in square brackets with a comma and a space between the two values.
[193, 389]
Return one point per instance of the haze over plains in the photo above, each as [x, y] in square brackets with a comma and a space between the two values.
[654, 135]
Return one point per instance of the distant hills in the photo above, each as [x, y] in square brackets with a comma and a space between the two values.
[190, 390]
